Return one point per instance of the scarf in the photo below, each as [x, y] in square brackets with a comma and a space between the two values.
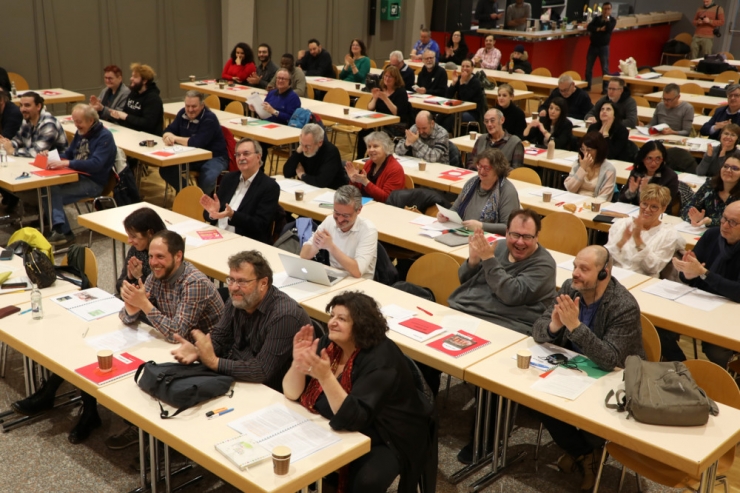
[726, 252]
[489, 213]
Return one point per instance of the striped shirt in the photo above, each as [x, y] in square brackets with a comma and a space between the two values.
[258, 347]
[185, 301]
[46, 135]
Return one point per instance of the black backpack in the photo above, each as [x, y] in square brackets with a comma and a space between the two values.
[714, 64]
[676, 47]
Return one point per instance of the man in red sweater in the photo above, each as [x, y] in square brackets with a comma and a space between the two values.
[707, 18]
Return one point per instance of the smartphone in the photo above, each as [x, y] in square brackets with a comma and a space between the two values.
[580, 154]
[14, 285]
[6, 255]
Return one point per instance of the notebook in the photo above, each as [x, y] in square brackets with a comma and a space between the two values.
[242, 451]
[124, 364]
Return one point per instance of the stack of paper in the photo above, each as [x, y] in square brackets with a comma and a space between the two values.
[685, 295]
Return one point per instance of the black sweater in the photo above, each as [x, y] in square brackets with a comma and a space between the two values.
[435, 82]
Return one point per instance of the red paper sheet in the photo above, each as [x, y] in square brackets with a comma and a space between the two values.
[272, 125]
[120, 369]
[54, 172]
[41, 161]
[420, 325]
[163, 154]
[210, 234]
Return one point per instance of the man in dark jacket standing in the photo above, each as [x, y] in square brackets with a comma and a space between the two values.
[486, 12]
[143, 111]
[600, 29]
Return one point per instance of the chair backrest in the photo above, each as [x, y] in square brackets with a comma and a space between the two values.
[692, 88]
[408, 182]
[235, 107]
[525, 174]
[436, 271]
[432, 211]
[727, 55]
[727, 76]
[187, 203]
[337, 95]
[20, 82]
[640, 101]
[91, 267]
[563, 232]
[336, 71]
[713, 111]
[213, 102]
[575, 75]
[650, 339]
[373, 64]
[519, 85]
[542, 72]
[309, 92]
[684, 38]
[675, 74]
[716, 382]
[682, 63]
[363, 101]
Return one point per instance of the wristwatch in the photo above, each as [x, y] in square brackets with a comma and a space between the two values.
[703, 277]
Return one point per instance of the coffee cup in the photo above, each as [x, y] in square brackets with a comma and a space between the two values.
[221, 85]
[473, 135]
[105, 360]
[523, 358]
[595, 206]
[192, 78]
[535, 116]
[546, 196]
[422, 166]
[357, 87]
[299, 195]
[281, 460]
[245, 121]
[346, 111]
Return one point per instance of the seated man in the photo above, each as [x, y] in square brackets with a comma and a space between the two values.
[595, 315]
[196, 126]
[39, 132]
[316, 161]
[498, 138]
[266, 68]
[621, 100]
[143, 110]
[297, 77]
[352, 242]
[432, 78]
[92, 153]
[115, 94]
[316, 62]
[247, 200]
[677, 114]
[425, 43]
[579, 102]
[426, 140]
[407, 73]
[255, 307]
[714, 266]
[724, 115]
[11, 117]
[175, 299]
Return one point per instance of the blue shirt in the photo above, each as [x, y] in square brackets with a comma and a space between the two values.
[431, 45]
[286, 103]
[203, 132]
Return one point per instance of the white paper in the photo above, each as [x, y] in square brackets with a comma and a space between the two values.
[184, 227]
[98, 309]
[565, 161]
[325, 198]
[424, 220]
[79, 298]
[572, 198]
[687, 228]
[256, 101]
[238, 121]
[430, 233]
[692, 179]
[303, 440]
[619, 207]
[643, 130]
[456, 323]
[283, 280]
[702, 300]
[414, 334]
[540, 352]
[564, 383]
[435, 99]
[304, 290]
[291, 185]
[453, 218]
[268, 421]
[53, 156]
[194, 241]
[576, 122]
[120, 340]
[397, 313]
[668, 289]
[649, 75]
[660, 127]
[178, 149]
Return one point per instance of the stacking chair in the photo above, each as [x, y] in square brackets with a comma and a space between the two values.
[408, 183]
[692, 88]
[91, 267]
[641, 101]
[525, 174]
[187, 203]
[563, 232]
[436, 271]
[575, 75]
[684, 38]
[727, 55]
[682, 63]
[727, 76]
[542, 72]
[675, 74]
[650, 339]
[20, 82]
[213, 102]
[235, 107]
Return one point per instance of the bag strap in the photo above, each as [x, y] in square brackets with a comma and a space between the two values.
[140, 369]
[619, 399]
[164, 414]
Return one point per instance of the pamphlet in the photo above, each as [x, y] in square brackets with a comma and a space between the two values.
[242, 451]
[90, 304]
[459, 343]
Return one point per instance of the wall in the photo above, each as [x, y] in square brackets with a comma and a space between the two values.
[66, 43]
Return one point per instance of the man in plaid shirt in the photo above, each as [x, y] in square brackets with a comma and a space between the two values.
[426, 140]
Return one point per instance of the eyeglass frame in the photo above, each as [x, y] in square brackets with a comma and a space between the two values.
[733, 223]
[242, 283]
[518, 236]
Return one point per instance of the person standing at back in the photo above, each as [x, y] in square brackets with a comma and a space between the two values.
[708, 17]
[600, 29]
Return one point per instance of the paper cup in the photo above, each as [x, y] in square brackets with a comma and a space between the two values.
[523, 358]
[105, 360]
[535, 115]
[221, 85]
[299, 195]
[192, 78]
[422, 166]
[357, 87]
[473, 135]
[595, 206]
[245, 121]
[546, 196]
[281, 460]
[346, 111]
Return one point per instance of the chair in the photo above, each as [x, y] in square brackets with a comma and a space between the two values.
[542, 72]
[720, 387]
[337, 95]
[91, 267]
[408, 182]
[436, 271]
[340, 96]
[235, 107]
[187, 203]
[727, 76]
[213, 102]
[518, 85]
[20, 82]
[363, 101]
[682, 63]
[685, 38]
[675, 74]
[640, 101]
[106, 192]
[727, 55]
[692, 88]
[563, 232]
[373, 64]
[575, 75]
[526, 175]
[650, 339]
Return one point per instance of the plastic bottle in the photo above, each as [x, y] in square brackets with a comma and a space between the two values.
[551, 149]
[511, 66]
[3, 157]
[37, 310]
[13, 90]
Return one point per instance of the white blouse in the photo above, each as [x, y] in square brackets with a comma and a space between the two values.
[661, 242]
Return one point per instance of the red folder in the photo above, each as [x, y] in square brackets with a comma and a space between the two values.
[124, 364]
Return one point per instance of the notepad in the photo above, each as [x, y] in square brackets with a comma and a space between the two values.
[459, 344]
[242, 452]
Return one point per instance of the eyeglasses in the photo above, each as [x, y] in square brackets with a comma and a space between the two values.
[731, 222]
[657, 159]
[283, 78]
[519, 236]
[618, 88]
[734, 95]
[483, 167]
[344, 216]
[730, 167]
[428, 58]
[489, 120]
[650, 207]
[244, 154]
[242, 283]
[669, 100]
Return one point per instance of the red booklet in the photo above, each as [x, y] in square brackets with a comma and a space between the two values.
[54, 172]
[420, 325]
[124, 364]
[210, 234]
[458, 344]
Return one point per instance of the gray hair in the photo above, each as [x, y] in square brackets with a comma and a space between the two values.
[192, 93]
[671, 88]
[429, 51]
[282, 70]
[87, 111]
[348, 195]
[254, 258]
[397, 55]
[731, 88]
[565, 78]
[257, 146]
[382, 138]
[314, 130]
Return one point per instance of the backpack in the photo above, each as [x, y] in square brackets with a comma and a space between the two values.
[662, 394]
[125, 191]
[676, 47]
[714, 64]
[302, 116]
[485, 82]
[371, 82]
[75, 266]
[181, 386]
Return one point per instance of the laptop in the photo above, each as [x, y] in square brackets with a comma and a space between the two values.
[311, 271]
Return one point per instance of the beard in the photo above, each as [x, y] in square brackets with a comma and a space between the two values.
[136, 87]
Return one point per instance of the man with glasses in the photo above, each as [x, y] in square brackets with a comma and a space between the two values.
[246, 202]
[621, 99]
[115, 94]
[407, 73]
[579, 102]
[496, 137]
[432, 78]
[677, 114]
[724, 115]
[714, 266]
[352, 242]
[253, 341]
[316, 161]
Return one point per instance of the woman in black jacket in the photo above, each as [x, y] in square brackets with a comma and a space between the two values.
[650, 167]
[514, 119]
[456, 50]
[553, 126]
[464, 87]
[610, 126]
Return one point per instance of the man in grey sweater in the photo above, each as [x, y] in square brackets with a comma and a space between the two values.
[677, 114]
[594, 315]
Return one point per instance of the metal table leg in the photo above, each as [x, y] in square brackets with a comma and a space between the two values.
[41, 209]
[153, 463]
[458, 124]
[482, 412]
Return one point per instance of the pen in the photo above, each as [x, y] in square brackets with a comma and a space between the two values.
[25, 311]
[86, 331]
[425, 311]
[168, 222]
[215, 411]
[221, 413]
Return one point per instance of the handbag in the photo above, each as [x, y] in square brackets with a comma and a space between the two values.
[39, 269]
[662, 394]
[181, 386]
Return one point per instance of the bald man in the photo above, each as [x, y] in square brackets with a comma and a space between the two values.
[426, 140]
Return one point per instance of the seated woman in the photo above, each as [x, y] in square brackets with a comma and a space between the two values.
[389, 98]
[708, 203]
[617, 135]
[359, 380]
[514, 120]
[240, 64]
[356, 63]
[140, 226]
[381, 174]
[645, 244]
[650, 167]
[593, 175]
[466, 88]
[713, 159]
[456, 50]
[487, 200]
[553, 126]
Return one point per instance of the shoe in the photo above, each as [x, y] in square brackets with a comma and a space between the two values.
[123, 439]
[567, 463]
[589, 464]
[41, 401]
[56, 238]
[89, 420]
[465, 455]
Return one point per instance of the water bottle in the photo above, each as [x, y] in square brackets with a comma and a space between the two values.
[3, 157]
[13, 90]
[37, 311]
